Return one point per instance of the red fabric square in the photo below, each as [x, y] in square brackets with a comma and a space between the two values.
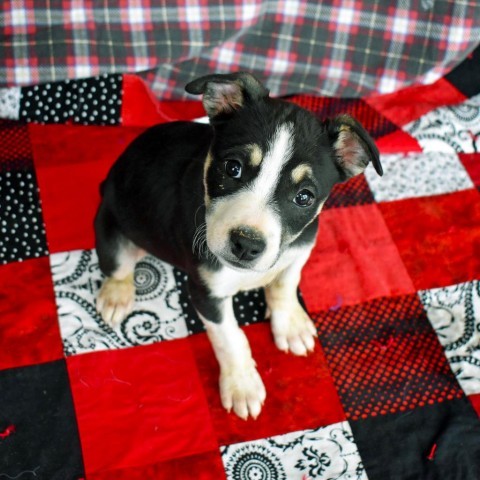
[71, 162]
[385, 357]
[141, 107]
[29, 332]
[408, 104]
[471, 162]
[206, 466]
[475, 399]
[354, 260]
[398, 142]
[300, 390]
[139, 406]
[438, 237]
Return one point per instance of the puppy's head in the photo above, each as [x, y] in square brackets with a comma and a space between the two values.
[270, 168]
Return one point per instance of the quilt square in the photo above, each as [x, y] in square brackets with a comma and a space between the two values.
[454, 313]
[204, 466]
[88, 101]
[385, 357]
[71, 162]
[22, 233]
[471, 162]
[438, 238]
[418, 175]
[158, 314]
[39, 435]
[434, 442]
[325, 107]
[354, 260]
[353, 192]
[139, 406]
[28, 318]
[453, 129]
[322, 453]
[294, 402]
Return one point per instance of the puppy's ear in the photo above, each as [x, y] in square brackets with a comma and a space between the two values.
[223, 94]
[352, 145]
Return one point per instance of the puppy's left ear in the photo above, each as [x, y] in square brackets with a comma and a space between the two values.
[352, 145]
[223, 94]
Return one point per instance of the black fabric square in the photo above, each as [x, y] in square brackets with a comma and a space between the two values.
[439, 442]
[38, 429]
[90, 101]
[22, 232]
[466, 76]
[249, 307]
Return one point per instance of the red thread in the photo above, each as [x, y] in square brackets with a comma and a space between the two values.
[7, 432]
[433, 450]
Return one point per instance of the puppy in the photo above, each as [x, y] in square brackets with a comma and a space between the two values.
[234, 204]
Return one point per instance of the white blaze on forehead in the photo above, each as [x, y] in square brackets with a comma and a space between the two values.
[279, 152]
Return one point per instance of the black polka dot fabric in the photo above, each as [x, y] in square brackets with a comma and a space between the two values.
[91, 101]
[22, 232]
[21, 222]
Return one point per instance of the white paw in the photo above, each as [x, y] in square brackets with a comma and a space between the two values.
[115, 300]
[293, 330]
[242, 390]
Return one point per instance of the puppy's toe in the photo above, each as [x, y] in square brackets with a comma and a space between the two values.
[293, 331]
[243, 391]
[115, 300]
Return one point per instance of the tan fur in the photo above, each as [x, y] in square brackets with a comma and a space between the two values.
[301, 172]
[256, 155]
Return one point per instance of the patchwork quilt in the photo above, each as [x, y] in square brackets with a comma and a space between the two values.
[392, 390]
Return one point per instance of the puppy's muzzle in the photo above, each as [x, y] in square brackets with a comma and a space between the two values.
[247, 244]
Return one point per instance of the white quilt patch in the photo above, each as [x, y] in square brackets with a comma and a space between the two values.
[418, 175]
[323, 453]
[10, 103]
[449, 129]
[157, 314]
[454, 313]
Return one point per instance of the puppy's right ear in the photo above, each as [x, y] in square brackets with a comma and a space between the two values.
[223, 94]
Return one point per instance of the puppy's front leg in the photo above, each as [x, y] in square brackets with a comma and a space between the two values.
[291, 327]
[241, 387]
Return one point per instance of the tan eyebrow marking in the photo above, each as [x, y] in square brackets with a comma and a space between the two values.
[301, 171]
[256, 155]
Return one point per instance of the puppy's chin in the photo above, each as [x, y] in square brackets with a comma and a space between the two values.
[240, 266]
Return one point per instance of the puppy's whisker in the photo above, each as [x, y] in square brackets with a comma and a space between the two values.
[199, 243]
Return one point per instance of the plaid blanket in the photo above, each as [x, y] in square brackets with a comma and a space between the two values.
[392, 390]
[334, 47]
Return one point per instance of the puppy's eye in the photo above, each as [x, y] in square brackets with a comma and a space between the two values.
[233, 168]
[304, 198]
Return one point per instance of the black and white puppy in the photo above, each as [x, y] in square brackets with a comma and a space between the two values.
[234, 204]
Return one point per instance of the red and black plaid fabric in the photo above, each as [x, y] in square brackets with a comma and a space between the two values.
[392, 390]
[335, 47]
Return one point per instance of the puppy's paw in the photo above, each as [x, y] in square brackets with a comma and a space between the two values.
[293, 330]
[242, 390]
[115, 300]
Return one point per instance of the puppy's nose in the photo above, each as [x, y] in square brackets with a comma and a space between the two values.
[247, 243]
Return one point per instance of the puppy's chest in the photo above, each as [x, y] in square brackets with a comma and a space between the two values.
[227, 282]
